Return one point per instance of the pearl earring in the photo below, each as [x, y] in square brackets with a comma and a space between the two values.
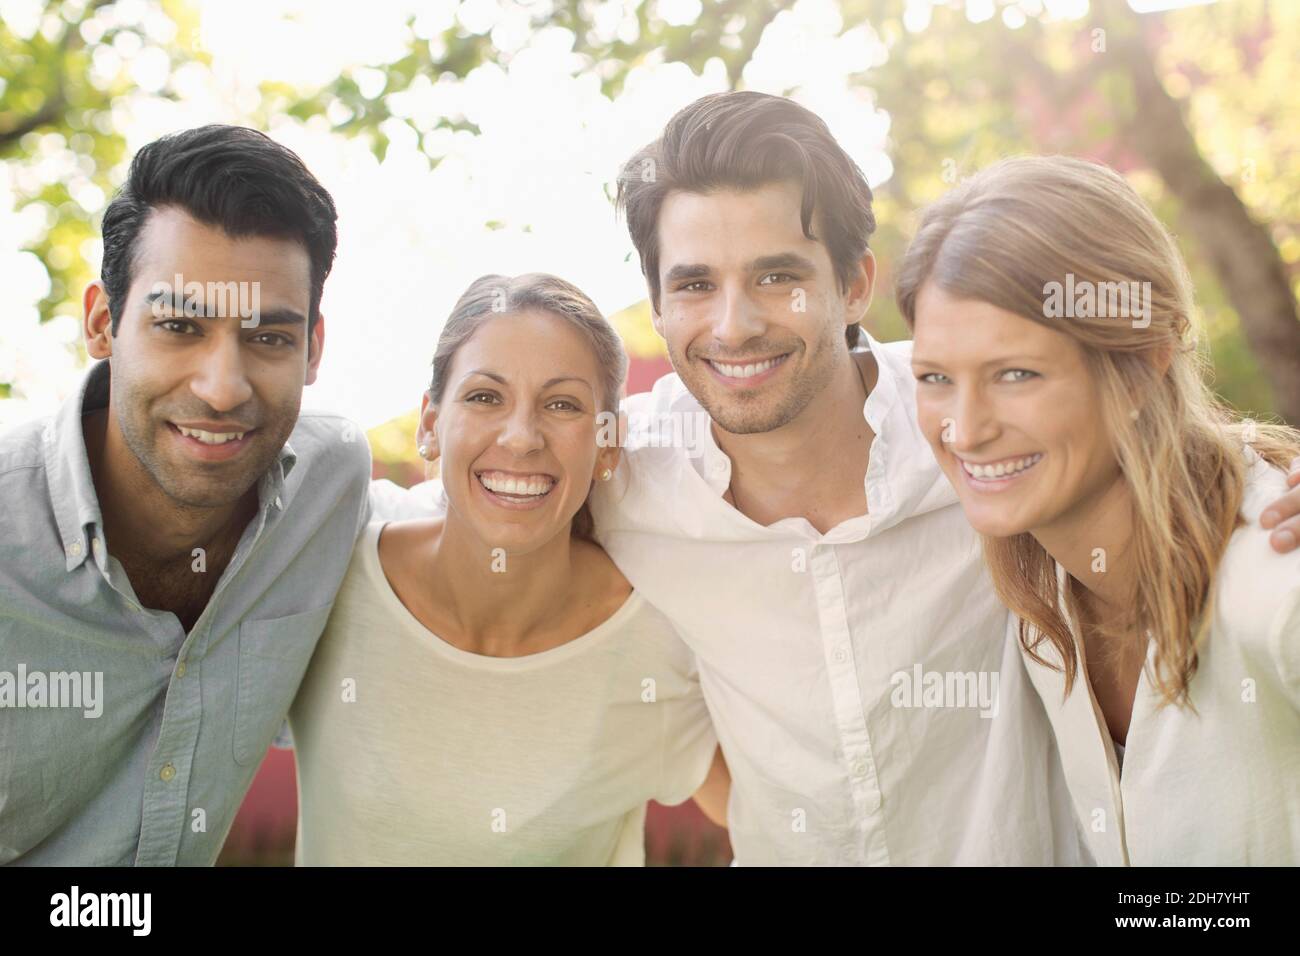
[606, 475]
[1133, 414]
[424, 451]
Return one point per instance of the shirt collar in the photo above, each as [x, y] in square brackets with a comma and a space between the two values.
[67, 467]
[274, 487]
[72, 489]
[885, 396]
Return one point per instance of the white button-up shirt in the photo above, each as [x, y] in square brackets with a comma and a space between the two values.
[869, 702]
[1220, 785]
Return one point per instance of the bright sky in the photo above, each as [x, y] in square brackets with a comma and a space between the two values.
[412, 239]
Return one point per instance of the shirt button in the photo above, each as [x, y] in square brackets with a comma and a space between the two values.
[96, 547]
[74, 549]
[841, 655]
[278, 504]
[180, 669]
[860, 768]
[719, 467]
[167, 772]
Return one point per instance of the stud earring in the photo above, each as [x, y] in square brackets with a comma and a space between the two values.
[606, 475]
[424, 451]
[1133, 414]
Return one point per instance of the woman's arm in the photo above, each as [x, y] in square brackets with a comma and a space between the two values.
[713, 793]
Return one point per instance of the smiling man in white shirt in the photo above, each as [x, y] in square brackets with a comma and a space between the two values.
[808, 548]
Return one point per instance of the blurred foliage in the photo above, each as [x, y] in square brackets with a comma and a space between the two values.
[61, 118]
[392, 449]
[638, 333]
[959, 95]
[963, 95]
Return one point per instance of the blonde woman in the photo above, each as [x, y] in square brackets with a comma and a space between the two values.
[489, 689]
[1059, 387]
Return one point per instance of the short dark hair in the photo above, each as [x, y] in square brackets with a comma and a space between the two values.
[228, 176]
[744, 140]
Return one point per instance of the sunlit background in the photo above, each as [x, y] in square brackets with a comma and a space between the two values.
[465, 138]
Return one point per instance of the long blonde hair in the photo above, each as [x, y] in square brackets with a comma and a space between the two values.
[1001, 237]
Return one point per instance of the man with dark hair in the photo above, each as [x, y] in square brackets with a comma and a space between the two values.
[758, 140]
[854, 656]
[175, 535]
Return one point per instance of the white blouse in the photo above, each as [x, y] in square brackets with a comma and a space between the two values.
[414, 752]
[1221, 785]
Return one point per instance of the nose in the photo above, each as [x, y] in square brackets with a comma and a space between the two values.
[976, 423]
[520, 435]
[221, 380]
[738, 320]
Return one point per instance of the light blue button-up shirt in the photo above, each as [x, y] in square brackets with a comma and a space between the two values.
[154, 778]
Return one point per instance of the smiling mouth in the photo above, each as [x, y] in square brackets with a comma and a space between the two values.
[517, 489]
[1003, 470]
[744, 370]
[210, 438]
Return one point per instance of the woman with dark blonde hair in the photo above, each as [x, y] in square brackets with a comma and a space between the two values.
[1060, 387]
[489, 688]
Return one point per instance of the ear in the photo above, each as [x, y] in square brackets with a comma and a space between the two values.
[607, 458]
[861, 288]
[315, 346]
[425, 433]
[96, 323]
[609, 447]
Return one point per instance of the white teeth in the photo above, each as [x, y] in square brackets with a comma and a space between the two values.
[531, 486]
[1001, 469]
[746, 371]
[210, 438]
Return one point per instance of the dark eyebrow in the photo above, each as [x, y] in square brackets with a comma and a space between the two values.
[280, 317]
[783, 260]
[265, 317]
[547, 384]
[780, 260]
[684, 271]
